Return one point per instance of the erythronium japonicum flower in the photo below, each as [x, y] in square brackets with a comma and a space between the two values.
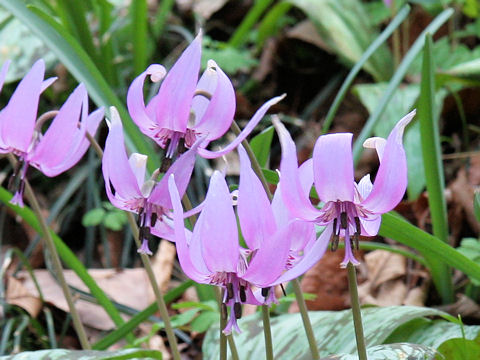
[350, 209]
[128, 190]
[62, 145]
[186, 108]
[279, 247]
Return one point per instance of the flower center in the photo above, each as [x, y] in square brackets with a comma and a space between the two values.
[148, 215]
[174, 142]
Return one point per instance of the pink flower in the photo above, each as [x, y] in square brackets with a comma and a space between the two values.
[127, 188]
[186, 108]
[350, 209]
[279, 248]
[62, 145]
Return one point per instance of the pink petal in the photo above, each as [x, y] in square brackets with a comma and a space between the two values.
[116, 169]
[176, 92]
[391, 180]
[218, 116]
[217, 228]
[333, 167]
[17, 119]
[310, 258]
[292, 190]
[245, 132]
[270, 260]
[253, 207]
[376, 143]
[207, 83]
[371, 226]
[181, 242]
[46, 83]
[138, 164]
[136, 102]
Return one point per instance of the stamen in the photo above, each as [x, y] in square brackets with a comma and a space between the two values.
[237, 309]
[343, 220]
[229, 291]
[166, 162]
[224, 311]
[243, 294]
[356, 238]
[181, 146]
[265, 292]
[358, 226]
[283, 290]
[334, 242]
[153, 219]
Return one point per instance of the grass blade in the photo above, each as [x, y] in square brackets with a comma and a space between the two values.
[138, 13]
[431, 153]
[396, 228]
[396, 80]
[395, 23]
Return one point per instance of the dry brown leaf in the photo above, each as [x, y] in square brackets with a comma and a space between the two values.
[306, 31]
[464, 306]
[383, 266]
[18, 295]
[462, 193]
[128, 287]
[416, 296]
[162, 265]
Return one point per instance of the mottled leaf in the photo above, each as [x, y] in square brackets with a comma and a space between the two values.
[63, 354]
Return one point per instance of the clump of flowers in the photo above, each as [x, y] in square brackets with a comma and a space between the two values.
[61, 146]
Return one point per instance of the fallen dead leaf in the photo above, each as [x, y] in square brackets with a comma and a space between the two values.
[462, 193]
[128, 287]
[18, 295]
[384, 266]
[464, 306]
[306, 31]
[162, 265]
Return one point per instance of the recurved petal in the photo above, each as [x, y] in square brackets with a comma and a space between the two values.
[116, 169]
[333, 167]
[219, 113]
[216, 228]
[180, 240]
[136, 103]
[391, 180]
[310, 258]
[292, 189]
[270, 260]
[177, 89]
[376, 143]
[245, 132]
[370, 226]
[17, 119]
[253, 206]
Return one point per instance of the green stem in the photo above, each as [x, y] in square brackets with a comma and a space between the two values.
[306, 320]
[357, 315]
[57, 266]
[298, 293]
[233, 347]
[223, 338]
[267, 332]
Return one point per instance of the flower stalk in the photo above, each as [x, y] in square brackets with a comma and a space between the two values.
[57, 266]
[357, 315]
[267, 332]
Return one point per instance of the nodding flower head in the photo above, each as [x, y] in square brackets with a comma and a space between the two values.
[128, 189]
[187, 108]
[64, 142]
[350, 209]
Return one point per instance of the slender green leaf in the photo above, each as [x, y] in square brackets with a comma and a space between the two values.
[395, 23]
[476, 206]
[139, 14]
[261, 144]
[396, 80]
[240, 36]
[432, 162]
[396, 228]
[272, 21]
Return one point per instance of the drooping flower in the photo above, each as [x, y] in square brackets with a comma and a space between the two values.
[127, 188]
[62, 145]
[186, 108]
[279, 248]
[350, 209]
